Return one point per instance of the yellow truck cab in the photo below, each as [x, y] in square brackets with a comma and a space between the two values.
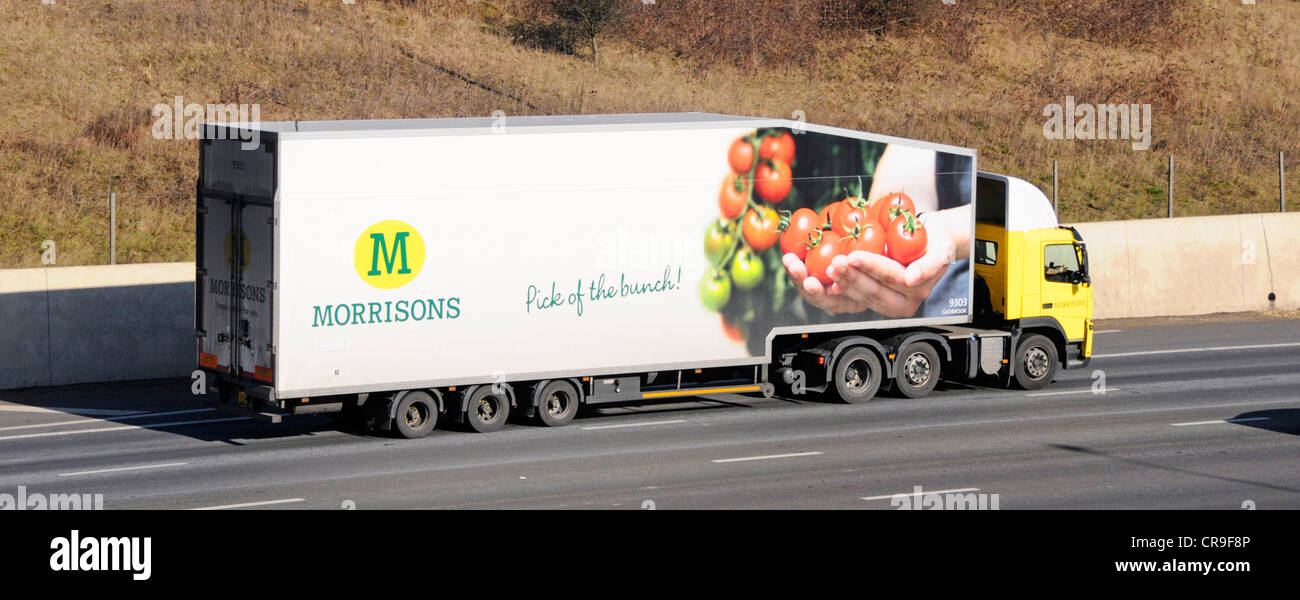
[1031, 279]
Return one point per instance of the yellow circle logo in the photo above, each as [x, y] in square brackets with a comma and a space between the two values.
[389, 254]
[230, 254]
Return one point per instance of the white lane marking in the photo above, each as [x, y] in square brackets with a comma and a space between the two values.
[1205, 349]
[767, 457]
[119, 469]
[1107, 331]
[133, 416]
[634, 424]
[76, 411]
[1220, 421]
[121, 428]
[250, 504]
[1087, 391]
[923, 492]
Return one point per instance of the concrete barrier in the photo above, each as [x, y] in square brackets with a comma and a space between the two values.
[1194, 265]
[62, 325]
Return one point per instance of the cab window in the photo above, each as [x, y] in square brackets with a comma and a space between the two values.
[1059, 261]
[986, 252]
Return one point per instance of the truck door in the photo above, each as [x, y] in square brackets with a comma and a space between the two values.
[235, 260]
[1064, 293]
[212, 287]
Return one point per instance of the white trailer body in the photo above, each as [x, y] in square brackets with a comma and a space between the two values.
[359, 257]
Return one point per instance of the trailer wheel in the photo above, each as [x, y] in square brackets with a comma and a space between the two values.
[1036, 362]
[487, 410]
[417, 413]
[918, 370]
[857, 375]
[557, 403]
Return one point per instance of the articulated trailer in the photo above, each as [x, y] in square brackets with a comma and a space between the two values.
[415, 271]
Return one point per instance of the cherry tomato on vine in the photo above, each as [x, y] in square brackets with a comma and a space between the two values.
[848, 218]
[826, 248]
[794, 240]
[715, 289]
[718, 240]
[826, 216]
[741, 155]
[746, 269]
[779, 147]
[760, 230]
[889, 207]
[868, 237]
[733, 195]
[905, 239]
[773, 180]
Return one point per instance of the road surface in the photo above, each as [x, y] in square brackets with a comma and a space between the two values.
[1204, 415]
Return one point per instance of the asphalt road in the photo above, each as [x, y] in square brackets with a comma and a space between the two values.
[1205, 415]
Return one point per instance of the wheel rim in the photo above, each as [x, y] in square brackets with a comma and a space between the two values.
[916, 369]
[557, 404]
[488, 409]
[415, 415]
[1036, 362]
[856, 375]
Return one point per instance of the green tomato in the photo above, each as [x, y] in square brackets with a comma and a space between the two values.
[718, 240]
[715, 289]
[746, 269]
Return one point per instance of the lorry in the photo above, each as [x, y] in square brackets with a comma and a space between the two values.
[416, 271]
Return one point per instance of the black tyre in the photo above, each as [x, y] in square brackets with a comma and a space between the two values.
[487, 410]
[557, 403]
[417, 413]
[856, 376]
[1036, 362]
[918, 370]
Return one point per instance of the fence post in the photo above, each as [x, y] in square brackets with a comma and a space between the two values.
[1171, 186]
[1055, 208]
[112, 227]
[1281, 180]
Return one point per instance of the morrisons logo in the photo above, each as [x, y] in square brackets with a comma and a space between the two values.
[389, 254]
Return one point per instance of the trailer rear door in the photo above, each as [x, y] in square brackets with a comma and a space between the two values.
[235, 260]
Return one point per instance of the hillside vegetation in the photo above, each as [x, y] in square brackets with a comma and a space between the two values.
[79, 79]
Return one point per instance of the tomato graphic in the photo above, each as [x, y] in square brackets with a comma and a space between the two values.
[905, 239]
[779, 147]
[889, 207]
[732, 196]
[741, 155]
[718, 240]
[773, 181]
[715, 289]
[827, 247]
[868, 237]
[732, 330]
[826, 217]
[760, 230]
[794, 240]
[849, 218]
[746, 269]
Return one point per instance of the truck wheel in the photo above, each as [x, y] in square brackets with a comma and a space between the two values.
[857, 375]
[918, 371]
[486, 410]
[417, 413]
[1036, 362]
[557, 403]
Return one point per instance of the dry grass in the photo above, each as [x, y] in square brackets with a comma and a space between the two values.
[79, 79]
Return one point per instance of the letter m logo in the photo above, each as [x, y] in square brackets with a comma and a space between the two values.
[380, 247]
